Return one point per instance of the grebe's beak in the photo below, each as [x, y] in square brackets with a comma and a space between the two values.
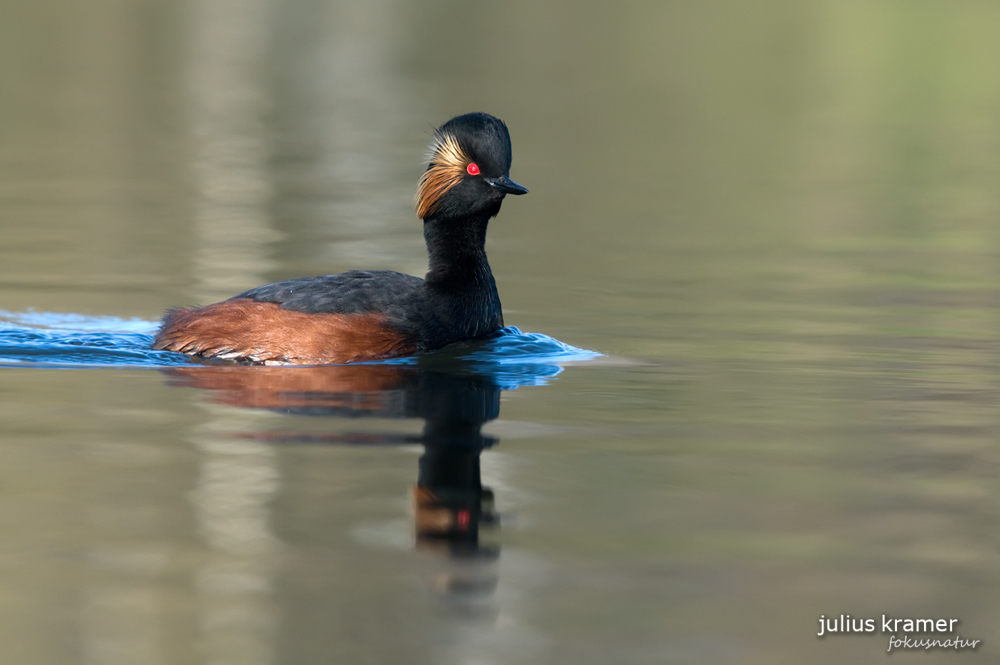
[506, 185]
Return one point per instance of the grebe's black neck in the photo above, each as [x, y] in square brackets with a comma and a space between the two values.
[459, 275]
[457, 251]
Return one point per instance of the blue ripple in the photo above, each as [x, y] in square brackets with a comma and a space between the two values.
[74, 340]
[43, 339]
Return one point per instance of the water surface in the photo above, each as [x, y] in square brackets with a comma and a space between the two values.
[776, 223]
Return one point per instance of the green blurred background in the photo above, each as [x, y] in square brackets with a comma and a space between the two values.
[777, 219]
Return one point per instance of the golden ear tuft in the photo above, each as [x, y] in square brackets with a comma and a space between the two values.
[447, 166]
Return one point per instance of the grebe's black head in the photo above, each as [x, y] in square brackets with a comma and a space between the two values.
[468, 170]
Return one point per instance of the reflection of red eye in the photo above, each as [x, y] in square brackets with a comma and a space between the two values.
[472, 169]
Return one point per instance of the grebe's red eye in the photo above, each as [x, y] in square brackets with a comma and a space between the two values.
[472, 168]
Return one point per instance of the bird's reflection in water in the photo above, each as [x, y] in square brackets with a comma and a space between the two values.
[453, 512]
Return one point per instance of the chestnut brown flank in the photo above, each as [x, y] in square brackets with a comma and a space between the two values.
[245, 329]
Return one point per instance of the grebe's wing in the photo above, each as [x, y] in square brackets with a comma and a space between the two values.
[352, 292]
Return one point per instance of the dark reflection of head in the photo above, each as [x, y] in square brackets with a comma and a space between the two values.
[451, 505]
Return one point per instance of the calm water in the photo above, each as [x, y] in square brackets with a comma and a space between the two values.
[755, 380]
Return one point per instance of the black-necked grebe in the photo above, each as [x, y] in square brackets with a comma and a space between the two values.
[373, 314]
